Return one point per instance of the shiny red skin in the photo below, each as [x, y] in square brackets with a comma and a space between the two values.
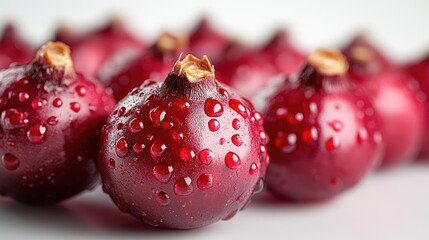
[398, 101]
[286, 58]
[181, 122]
[323, 137]
[420, 71]
[90, 51]
[127, 73]
[61, 163]
[13, 49]
[205, 40]
[245, 69]
[402, 115]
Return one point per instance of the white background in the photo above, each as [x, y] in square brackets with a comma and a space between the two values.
[392, 204]
[399, 27]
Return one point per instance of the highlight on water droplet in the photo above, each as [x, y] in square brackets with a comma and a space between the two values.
[80, 90]
[259, 118]
[121, 147]
[232, 160]
[157, 115]
[362, 135]
[183, 186]
[111, 163]
[378, 138]
[23, 96]
[57, 102]
[236, 140]
[313, 107]
[52, 120]
[263, 148]
[10, 161]
[162, 198]
[37, 103]
[138, 147]
[136, 125]
[162, 172]
[223, 92]
[310, 134]
[253, 169]
[213, 108]
[214, 125]
[150, 137]
[36, 134]
[336, 125]
[175, 135]
[236, 124]
[238, 107]
[205, 181]
[181, 104]
[299, 117]
[75, 106]
[281, 112]
[157, 149]
[186, 154]
[93, 108]
[331, 144]
[263, 136]
[13, 118]
[167, 125]
[206, 156]
[286, 143]
[121, 111]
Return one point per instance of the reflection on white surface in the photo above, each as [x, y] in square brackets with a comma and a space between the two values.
[392, 204]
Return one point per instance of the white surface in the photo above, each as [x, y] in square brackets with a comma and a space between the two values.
[388, 205]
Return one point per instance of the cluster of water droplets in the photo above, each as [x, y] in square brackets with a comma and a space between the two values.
[286, 142]
[13, 118]
[159, 117]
